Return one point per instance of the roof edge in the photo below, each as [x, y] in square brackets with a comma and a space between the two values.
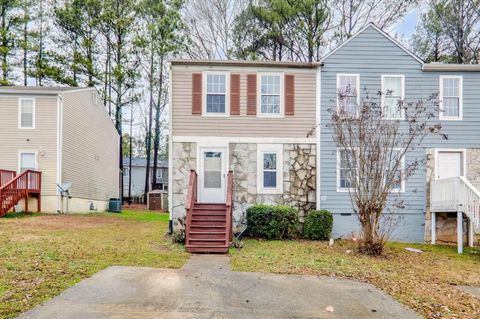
[273, 64]
[432, 67]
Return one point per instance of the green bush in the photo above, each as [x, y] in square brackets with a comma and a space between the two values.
[271, 222]
[318, 225]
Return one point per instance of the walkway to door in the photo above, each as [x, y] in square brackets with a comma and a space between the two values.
[206, 288]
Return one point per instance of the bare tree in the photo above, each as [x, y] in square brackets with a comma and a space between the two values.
[375, 154]
[210, 26]
[353, 15]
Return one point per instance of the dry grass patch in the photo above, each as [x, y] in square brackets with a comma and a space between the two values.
[425, 282]
[42, 255]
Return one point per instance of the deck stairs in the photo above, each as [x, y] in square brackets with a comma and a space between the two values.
[14, 188]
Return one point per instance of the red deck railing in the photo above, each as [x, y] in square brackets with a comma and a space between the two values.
[6, 176]
[229, 203]
[20, 187]
[189, 205]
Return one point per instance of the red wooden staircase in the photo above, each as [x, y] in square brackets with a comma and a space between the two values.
[14, 188]
[208, 225]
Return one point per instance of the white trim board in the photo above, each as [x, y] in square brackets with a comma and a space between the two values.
[371, 24]
[238, 139]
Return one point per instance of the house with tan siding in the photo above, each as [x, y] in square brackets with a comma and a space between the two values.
[66, 135]
[246, 132]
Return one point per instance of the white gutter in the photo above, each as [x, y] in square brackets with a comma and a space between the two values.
[318, 122]
[59, 148]
[170, 148]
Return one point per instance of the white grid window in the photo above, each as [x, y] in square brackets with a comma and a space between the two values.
[216, 93]
[269, 168]
[26, 113]
[348, 95]
[393, 94]
[451, 97]
[270, 87]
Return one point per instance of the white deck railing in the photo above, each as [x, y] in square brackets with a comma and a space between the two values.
[456, 194]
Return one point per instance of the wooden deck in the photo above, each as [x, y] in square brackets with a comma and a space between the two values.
[14, 188]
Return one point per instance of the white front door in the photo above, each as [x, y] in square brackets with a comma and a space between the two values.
[449, 164]
[212, 174]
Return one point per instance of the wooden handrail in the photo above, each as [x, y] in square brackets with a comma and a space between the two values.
[190, 203]
[6, 176]
[229, 204]
[18, 188]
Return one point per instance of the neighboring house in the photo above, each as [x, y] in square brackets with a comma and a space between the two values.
[138, 174]
[268, 123]
[67, 135]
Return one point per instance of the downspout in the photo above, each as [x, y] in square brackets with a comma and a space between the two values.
[318, 128]
[170, 151]
[59, 149]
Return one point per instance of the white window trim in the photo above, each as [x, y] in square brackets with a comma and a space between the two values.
[402, 94]
[227, 94]
[463, 151]
[282, 94]
[338, 88]
[341, 189]
[402, 184]
[19, 164]
[269, 148]
[20, 112]
[460, 99]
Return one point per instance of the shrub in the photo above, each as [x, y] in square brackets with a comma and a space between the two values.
[318, 225]
[178, 235]
[271, 222]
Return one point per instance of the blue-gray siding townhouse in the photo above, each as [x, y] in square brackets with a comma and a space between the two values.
[364, 61]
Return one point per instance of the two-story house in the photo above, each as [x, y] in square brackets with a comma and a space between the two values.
[134, 178]
[267, 122]
[58, 148]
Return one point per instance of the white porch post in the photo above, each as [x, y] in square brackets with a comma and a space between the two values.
[434, 227]
[470, 232]
[460, 232]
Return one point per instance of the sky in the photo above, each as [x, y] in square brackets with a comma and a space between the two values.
[406, 27]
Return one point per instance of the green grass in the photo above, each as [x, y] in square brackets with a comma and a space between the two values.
[425, 282]
[42, 255]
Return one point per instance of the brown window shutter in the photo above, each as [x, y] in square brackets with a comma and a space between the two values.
[289, 94]
[251, 94]
[196, 93]
[235, 94]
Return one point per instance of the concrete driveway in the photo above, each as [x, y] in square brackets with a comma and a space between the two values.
[206, 288]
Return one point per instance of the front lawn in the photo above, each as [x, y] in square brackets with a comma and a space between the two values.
[425, 282]
[42, 255]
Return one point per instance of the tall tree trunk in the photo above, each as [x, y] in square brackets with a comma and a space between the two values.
[156, 140]
[5, 45]
[25, 49]
[148, 140]
[118, 111]
[130, 160]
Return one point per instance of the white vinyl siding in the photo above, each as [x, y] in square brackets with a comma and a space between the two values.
[348, 96]
[451, 98]
[26, 113]
[269, 168]
[393, 92]
[270, 94]
[400, 187]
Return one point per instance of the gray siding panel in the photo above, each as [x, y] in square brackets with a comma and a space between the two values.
[370, 54]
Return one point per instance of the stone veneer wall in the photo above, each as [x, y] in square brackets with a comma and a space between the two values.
[184, 160]
[299, 179]
[447, 222]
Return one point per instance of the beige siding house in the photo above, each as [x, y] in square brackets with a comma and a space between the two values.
[256, 119]
[66, 134]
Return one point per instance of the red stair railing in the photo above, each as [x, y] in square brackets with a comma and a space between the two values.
[6, 176]
[20, 187]
[229, 204]
[189, 205]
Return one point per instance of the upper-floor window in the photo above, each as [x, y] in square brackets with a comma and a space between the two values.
[270, 96]
[216, 94]
[348, 97]
[393, 93]
[26, 113]
[451, 98]
[269, 164]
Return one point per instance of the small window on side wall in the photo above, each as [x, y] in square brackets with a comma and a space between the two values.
[269, 166]
[346, 170]
[451, 98]
[26, 113]
[28, 161]
[348, 97]
[270, 94]
[216, 94]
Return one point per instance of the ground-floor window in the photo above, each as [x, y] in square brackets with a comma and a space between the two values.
[269, 168]
[27, 160]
